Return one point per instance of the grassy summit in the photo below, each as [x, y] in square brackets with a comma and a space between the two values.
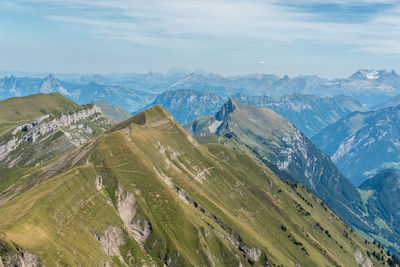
[35, 128]
[33, 106]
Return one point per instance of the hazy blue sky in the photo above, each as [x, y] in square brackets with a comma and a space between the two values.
[330, 38]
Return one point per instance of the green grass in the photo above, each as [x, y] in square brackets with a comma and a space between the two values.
[235, 202]
[365, 195]
[9, 176]
[30, 107]
[52, 144]
[381, 223]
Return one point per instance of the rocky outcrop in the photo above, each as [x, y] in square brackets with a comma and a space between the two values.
[111, 241]
[75, 127]
[128, 209]
[21, 258]
[362, 260]
[44, 125]
[51, 84]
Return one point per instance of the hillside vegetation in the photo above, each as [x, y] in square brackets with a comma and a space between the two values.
[147, 193]
[36, 128]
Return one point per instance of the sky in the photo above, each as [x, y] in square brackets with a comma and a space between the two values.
[331, 38]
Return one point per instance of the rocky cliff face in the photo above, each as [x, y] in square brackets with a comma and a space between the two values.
[50, 135]
[17, 257]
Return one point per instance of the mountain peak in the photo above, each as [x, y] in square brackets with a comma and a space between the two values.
[227, 109]
[10, 80]
[151, 116]
[51, 84]
[365, 74]
[50, 77]
[373, 74]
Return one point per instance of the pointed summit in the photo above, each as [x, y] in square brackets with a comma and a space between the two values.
[51, 84]
[364, 74]
[227, 109]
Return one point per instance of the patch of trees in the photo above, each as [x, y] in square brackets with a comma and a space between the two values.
[300, 209]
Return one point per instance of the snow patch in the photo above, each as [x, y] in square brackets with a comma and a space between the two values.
[372, 75]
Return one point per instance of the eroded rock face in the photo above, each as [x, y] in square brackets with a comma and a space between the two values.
[44, 124]
[20, 259]
[40, 136]
[111, 240]
[128, 209]
[362, 260]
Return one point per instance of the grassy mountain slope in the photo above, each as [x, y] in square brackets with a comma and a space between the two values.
[17, 110]
[35, 128]
[262, 133]
[147, 193]
[271, 139]
[30, 107]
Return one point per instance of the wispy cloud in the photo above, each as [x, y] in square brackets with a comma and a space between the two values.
[189, 22]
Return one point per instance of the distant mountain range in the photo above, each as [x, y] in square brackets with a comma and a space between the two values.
[309, 113]
[188, 104]
[135, 91]
[368, 86]
[128, 98]
[363, 143]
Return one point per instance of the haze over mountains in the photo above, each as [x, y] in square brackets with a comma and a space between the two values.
[363, 143]
[370, 87]
[120, 190]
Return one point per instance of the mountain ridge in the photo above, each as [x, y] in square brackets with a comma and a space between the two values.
[35, 128]
[118, 200]
[278, 144]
